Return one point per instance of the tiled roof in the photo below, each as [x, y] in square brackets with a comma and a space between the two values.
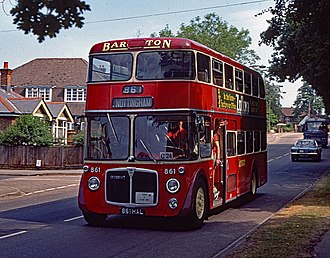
[57, 72]
[5, 105]
[286, 111]
[55, 108]
[76, 108]
[25, 105]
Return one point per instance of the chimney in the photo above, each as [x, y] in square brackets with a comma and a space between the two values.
[5, 80]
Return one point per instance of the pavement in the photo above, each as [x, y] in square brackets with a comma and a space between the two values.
[6, 191]
[322, 250]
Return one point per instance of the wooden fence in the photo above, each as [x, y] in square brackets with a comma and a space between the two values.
[29, 157]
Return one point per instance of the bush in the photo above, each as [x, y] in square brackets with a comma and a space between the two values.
[288, 127]
[78, 139]
[27, 130]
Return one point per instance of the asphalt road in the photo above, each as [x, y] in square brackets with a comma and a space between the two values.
[49, 223]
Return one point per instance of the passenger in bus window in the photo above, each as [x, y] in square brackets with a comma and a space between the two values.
[217, 153]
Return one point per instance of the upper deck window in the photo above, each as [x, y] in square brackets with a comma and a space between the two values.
[229, 81]
[110, 67]
[203, 67]
[217, 73]
[247, 83]
[255, 86]
[165, 65]
[239, 80]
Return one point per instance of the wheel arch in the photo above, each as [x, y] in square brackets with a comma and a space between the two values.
[188, 204]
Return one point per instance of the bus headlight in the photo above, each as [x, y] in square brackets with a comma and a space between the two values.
[172, 185]
[85, 168]
[93, 183]
[173, 203]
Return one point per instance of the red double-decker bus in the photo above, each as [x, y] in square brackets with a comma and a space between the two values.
[153, 109]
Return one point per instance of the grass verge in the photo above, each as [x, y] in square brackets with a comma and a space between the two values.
[295, 230]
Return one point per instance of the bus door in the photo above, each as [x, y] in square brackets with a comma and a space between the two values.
[220, 162]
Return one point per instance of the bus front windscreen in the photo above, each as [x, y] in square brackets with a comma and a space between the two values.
[165, 138]
[108, 137]
[165, 65]
[110, 67]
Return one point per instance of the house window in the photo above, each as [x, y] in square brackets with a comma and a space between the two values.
[75, 95]
[70, 126]
[39, 92]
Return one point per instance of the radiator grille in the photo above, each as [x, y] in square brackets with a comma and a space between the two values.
[123, 184]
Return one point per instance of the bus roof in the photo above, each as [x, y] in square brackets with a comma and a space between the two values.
[164, 43]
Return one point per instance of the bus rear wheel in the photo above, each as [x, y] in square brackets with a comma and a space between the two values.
[254, 183]
[199, 207]
[95, 219]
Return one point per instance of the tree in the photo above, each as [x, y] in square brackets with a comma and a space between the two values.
[273, 105]
[27, 130]
[215, 33]
[45, 18]
[307, 101]
[299, 33]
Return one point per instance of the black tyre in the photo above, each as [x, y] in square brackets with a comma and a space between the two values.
[254, 183]
[95, 219]
[199, 207]
[293, 159]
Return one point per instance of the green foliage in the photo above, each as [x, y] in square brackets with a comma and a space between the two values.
[27, 130]
[78, 139]
[299, 33]
[215, 33]
[288, 127]
[273, 97]
[45, 18]
[307, 101]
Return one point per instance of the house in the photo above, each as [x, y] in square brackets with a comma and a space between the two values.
[54, 80]
[13, 104]
[287, 116]
[61, 116]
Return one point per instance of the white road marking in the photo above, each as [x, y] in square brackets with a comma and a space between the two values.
[13, 234]
[75, 218]
[51, 189]
[279, 157]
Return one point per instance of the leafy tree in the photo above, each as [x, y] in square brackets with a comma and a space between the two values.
[307, 101]
[166, 32]
[215, 33]
[27, 130]
[299, 33]
[45, 18]
[273, 105]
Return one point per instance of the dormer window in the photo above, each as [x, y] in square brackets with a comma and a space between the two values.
[44, 92]
[74, 93]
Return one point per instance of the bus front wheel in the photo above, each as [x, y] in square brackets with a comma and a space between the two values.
[95, 219]
[199, 207]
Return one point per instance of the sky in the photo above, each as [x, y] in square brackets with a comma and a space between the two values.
[119, 19]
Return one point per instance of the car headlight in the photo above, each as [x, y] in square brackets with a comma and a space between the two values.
[172, 185]
[93, 183]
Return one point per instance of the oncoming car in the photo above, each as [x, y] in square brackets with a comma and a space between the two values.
[306, 149]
